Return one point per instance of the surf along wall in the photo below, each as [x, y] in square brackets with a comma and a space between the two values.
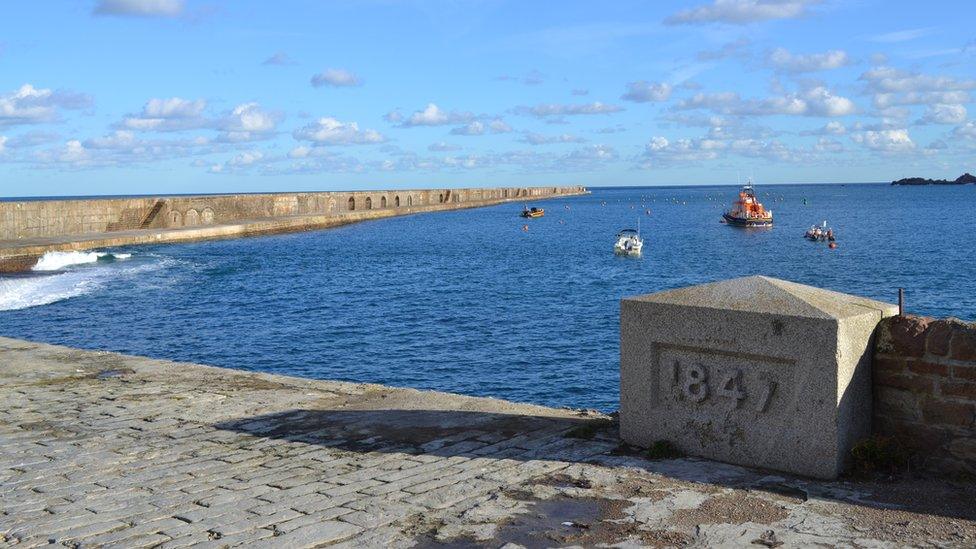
[28, 229]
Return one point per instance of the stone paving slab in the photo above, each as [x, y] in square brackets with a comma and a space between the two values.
[100, 449]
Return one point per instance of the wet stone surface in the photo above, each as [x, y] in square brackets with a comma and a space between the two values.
[99, 449]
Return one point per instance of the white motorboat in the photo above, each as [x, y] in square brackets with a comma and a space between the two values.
[629, 242]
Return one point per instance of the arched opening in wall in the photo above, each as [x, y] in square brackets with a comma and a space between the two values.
[332, 205]
[396, 201]
[555, 190]
[175, 219]
[409, 201]
[369, 203]
[382, 202]
[191, 219]
[525, 192]
[440, 198]
[352, 204]
[208, 216]
[505, 193]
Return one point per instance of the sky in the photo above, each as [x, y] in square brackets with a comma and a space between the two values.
[197, 96]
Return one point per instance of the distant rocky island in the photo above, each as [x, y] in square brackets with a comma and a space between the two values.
[961, 180]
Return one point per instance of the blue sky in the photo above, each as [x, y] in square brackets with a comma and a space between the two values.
[181, 96]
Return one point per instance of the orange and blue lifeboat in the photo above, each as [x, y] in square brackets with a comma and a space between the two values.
[747, 211]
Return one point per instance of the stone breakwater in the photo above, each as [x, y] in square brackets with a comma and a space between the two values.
[28, 229]
[100, 449]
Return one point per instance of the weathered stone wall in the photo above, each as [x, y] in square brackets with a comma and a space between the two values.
[56, 218]
[925, 389]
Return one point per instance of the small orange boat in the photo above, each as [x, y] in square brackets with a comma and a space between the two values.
[747, 211]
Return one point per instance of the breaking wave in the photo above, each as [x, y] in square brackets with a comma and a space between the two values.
[54, 282]
[56, 261]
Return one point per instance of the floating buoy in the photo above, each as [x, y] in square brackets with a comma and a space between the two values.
[648, 212]
[832, 245]
[525, 228]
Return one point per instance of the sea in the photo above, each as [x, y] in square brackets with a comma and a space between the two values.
[481, 301]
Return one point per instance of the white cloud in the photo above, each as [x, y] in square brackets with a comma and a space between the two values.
[885, 141]
[329, 131]
[30, 105]
[888, 79]
[590, 156]
[643, 91]
[32, 139]
[279, 58]
[825, 144]
[246, 158]
[944, 114]
[741, 12]
[248, 122]
[902, 35]
[499, 126]
[172, 114]
[476, 127]
[558, 110]
[431, 115]
[3, 143]
[140, 8]
[471, 128]
[783, 60]
[72, 154]
[337, 78]
[660, 151]
[965, 131]
[816, 101]
[885, 100]
[830, 128]
[441, 146]
[538, 139]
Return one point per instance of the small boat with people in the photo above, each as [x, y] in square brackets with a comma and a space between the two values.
[747, 211]
[629, 242]
[820, 233]
[532, 212]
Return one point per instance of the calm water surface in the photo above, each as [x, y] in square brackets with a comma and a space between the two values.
[467, 302]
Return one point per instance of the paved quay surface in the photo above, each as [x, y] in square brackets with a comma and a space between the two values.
[103, 449]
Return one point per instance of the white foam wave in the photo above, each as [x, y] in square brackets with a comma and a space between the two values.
[56, 261]
[22, 292]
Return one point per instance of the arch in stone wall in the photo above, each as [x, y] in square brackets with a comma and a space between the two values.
[409, 200]
[440, 198]
[191, 218]
[352, 204]
[332, 205]
[175, 219]
[369, 203]
[207, 217]
[396, 201]
[382, 201]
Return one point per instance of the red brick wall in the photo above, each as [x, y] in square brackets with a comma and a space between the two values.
[925, 389]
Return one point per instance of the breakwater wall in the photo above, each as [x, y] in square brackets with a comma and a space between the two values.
[925, 390]
[30, 228]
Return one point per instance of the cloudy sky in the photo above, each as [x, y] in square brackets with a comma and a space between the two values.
[180, 96]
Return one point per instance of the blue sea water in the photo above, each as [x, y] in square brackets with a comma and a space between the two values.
[468, 302]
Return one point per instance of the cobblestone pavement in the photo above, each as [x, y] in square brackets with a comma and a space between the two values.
[103, 449]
